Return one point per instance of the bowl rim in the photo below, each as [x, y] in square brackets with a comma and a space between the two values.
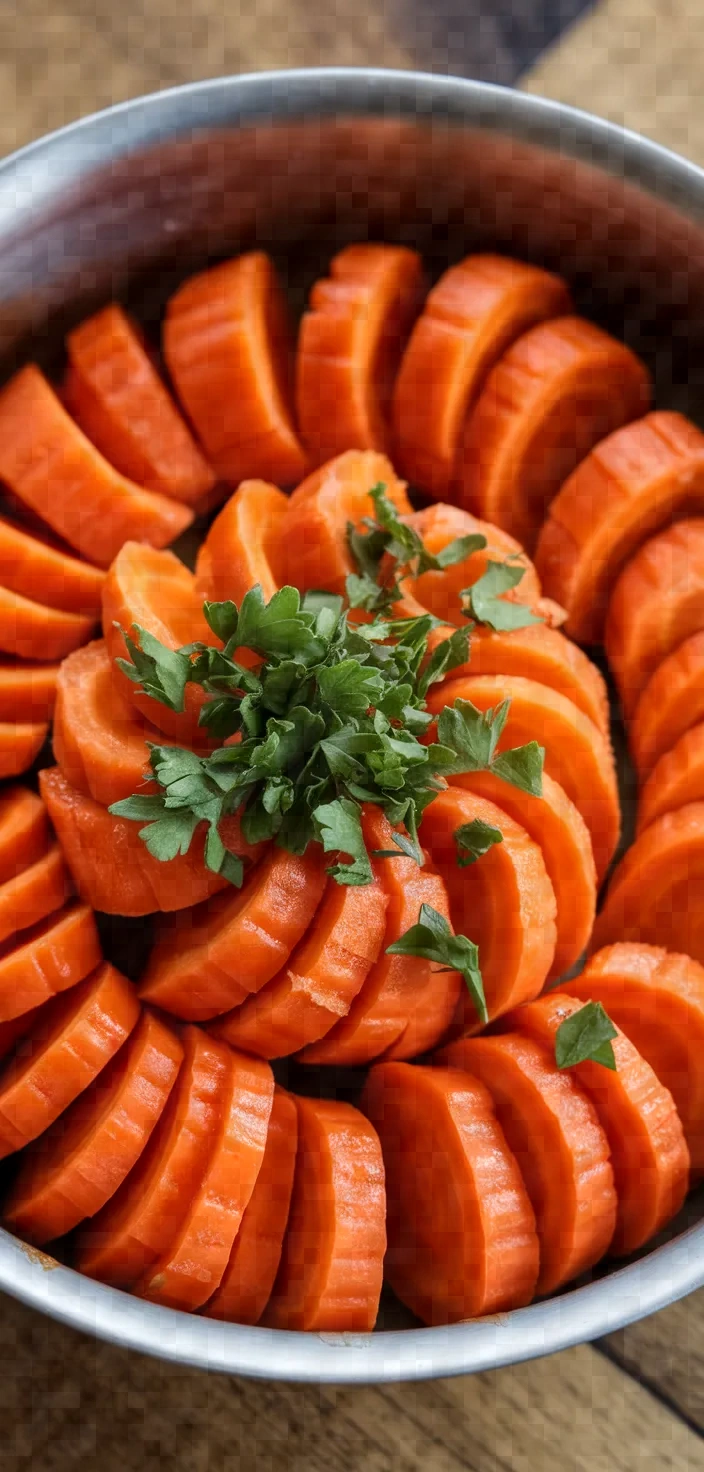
[29, 179]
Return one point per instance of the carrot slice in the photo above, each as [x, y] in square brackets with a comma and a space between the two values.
[155, 590]
[558, 390]
[111, 866]
[350, 343]
[331, 1266]
[657, 998]
[462, 1238]
[577, 754]
[313, 536]
[553, 822]
[676, 779]
[211, 959]
[631, 484]
[504, 902]
[191, 1264]
[226, 344]
[24, 830]
[473, 314]
[671, 703]
[657, 603]
[324, 974]
[29, 688]
[79, 1035]
[406, 1004]
[117, 397]
[31, 566]
[52, 957]
[656, 893]
[34, 631]
[649, 1154]
[99, 740]
[438, 592]
[97, 510]
[126, 1237]
[82, 1160]
[248, 1279]
[562, 1151]
[240, 549]
[20, 745]
[34, 893]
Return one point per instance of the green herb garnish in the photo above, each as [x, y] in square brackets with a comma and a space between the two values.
[433, 939]
[474, 840]
[586, 1035]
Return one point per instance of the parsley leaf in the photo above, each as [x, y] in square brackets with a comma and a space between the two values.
[433, 939]
[474, 840]
[486, 603]
[339, 825]
[161, 672]
[586, 1034]
[473, 735]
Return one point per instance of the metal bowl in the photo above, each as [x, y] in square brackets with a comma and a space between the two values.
[128, 202]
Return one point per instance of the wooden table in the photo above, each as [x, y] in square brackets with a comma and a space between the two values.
[631, 1404]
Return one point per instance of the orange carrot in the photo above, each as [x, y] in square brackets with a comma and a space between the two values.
[676, 779]
[313, 534]
[226, 344]
[562, 1151]
[126, 1237]
[241, 548]
[656, 893]
[330, 1275]
[462, 1238]
[553, 822]
[34, 631]
[29, 688]
[99, 740]
[115, 393]
[248, 1279]
[657, 603]
[210, 959]
[191, 1264]
[82, 1160]
[473, 314]
[51, 958]
[24, 830]
[504, 902]
[577, 755]
[438, 592]
[629, 486]
[406, 1003]
[111, 866]
[671, 703]
[649, 1155]
[558, 390]
[350, 343]
[35, 893]
[79, 1035]
[20, 745]
[54, 470]
[34, 568]
[657, 998]
[324, 974]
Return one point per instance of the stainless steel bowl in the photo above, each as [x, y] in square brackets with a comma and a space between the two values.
[129, 201]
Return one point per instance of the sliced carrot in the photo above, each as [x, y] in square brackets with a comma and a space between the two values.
[313, 535]
[657, 998]
[55, 471]
[82, 1160]
[331, 1266]
[51, 958]
[79, 1035]
[32, 566]
[115, 393]
[462, 1238]
[671, 703]
[504, 902]
[656, 893]
[24, 830]
[631, 484]
[406, 1003]
[241, 548]
[657, 603]
[562, 1151]
[210, 959]
[20, 745]
[126, 1237]
[191, 1264]
[350, 343]
[35, 893]
[227, 348]
[439, 591]
[649, 1153]
[554, 823]
[323, 976]
[473, 314]
[34, 631]
[111, 866]
[676, 779]
[248, 1279]
[558, 390]
[156, 591]
[99, 739]
[29, 688]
